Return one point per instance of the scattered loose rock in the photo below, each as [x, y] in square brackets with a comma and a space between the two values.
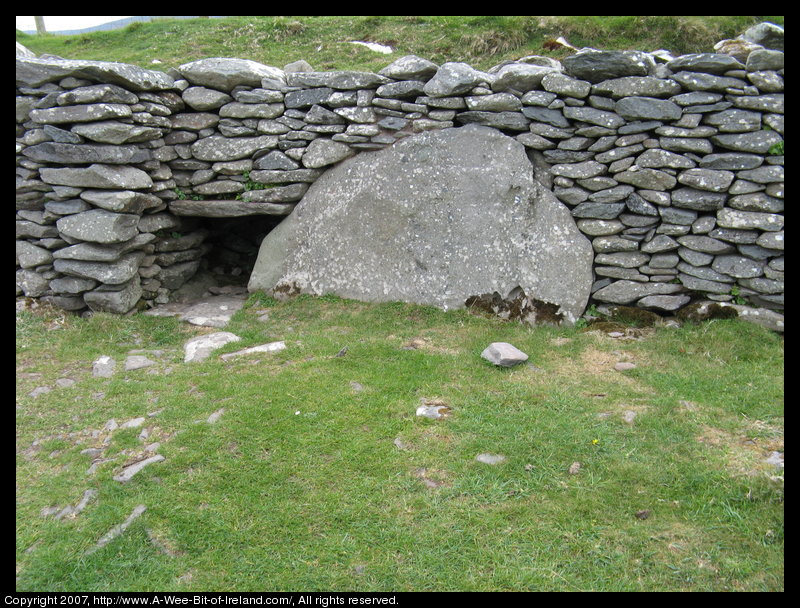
[134, 362]
[103, 367]
[129, 471]
[39, 390]
[503, 354]
[215, 416]
[133, 423]
[401, 445]
[427, 478]
[775, 458]
[574, 468]
[435, 409]
[69, 510]
[624, 366]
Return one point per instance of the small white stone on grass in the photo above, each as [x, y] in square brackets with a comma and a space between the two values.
[374, 46]
[490, 458]
[434, 412]
[503, 354]
[216, 415]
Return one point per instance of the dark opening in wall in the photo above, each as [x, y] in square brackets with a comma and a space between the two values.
[229, 251]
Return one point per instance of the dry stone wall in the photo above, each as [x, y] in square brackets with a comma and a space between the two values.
[672, 168]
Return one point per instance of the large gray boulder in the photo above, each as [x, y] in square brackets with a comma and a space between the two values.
[439, 218]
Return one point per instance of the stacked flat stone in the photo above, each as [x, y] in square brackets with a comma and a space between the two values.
[673, 170]
[90, 221]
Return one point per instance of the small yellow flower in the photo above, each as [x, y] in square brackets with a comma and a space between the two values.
[595, 441]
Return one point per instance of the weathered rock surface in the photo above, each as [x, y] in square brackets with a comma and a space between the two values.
[35, 72]
[503, 354]
[200, 348]
[225, 73]
[438, 218]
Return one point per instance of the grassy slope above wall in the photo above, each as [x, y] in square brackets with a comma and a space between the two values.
[325, 41]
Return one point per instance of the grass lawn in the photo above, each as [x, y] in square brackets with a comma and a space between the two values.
[317, 474]
[325, 41]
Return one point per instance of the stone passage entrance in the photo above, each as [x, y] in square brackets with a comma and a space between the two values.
[208, 253]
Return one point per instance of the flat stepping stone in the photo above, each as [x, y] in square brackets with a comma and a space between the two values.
[103, 367]
[503, 354]
[214, 311]
[134, 362]
[201, 347]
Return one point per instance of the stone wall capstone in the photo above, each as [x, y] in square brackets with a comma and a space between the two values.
[672, 168]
